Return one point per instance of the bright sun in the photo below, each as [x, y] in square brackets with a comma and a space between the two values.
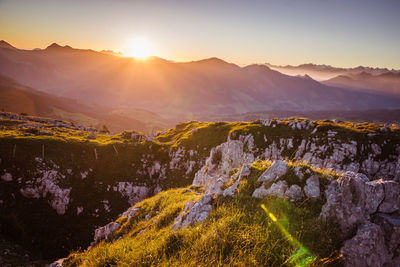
[138, 48]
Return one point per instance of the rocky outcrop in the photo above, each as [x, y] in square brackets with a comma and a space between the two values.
[371, 209]
[130, 213]
[46, 184]
[244, 171]
[132, 192]
[278, 169]
[276, 189]
[366, 248]
[311, 189]
[328, 149]
[352, 199]
[194, 212]
[103, 233]
[294, 193]
[221, 161]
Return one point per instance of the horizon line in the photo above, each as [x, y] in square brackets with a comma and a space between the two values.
[268, 64]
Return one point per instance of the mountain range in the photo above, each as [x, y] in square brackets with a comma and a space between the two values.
[385, 83]
[174, 89]
[325, 72]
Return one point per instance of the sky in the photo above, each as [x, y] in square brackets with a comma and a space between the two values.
[343, 33]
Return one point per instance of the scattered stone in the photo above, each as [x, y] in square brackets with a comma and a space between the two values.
[277, 189]
[277, 169]
[105, 231]
[244, 171]
[193, 213]
[311, 189]
[299, 173]
[46, 185]
[133, 193]
[57, 263]
[7, 177]
[79, 210]
[130, 212]
[294, 193]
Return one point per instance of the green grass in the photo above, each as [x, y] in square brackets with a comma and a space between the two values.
[237, 232]
[119, 157]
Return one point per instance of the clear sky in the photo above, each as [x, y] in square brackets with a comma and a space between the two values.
[344, 33]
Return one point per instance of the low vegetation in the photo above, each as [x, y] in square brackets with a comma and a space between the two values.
[238, 232]
[93, 163]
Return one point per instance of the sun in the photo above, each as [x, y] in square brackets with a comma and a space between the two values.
[138, 48]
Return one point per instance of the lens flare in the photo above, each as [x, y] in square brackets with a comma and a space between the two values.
[302, 257]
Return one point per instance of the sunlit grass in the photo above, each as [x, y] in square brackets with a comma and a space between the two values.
[237, 232]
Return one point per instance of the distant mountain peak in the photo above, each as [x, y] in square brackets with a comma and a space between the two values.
[4, 44]
[55, 46]
[257, 67]
[324, 67]
[305, 76]
[212, 60]
[111, 52]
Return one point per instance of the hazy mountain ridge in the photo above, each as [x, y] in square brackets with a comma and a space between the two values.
[325, 72]
[18, 98]
[386, 83]
[182, 90]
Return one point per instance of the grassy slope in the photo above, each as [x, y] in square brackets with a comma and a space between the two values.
[237, 232]
[70, 149]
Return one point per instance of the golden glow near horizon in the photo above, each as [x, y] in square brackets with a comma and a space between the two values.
[138, 48]
[274, 31]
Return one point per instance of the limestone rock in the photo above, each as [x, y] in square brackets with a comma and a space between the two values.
[193, 213]
[46, 184]
[366, 248]
[105, 231]
[260, 192]
[230, 191]
[245, 170]
[132, 192]
[57, 263]
[277, 169]
[299, 173]
[311, 189]
[351, 200]
[374, 193]
[277, 189]
[7, 177]
[390, 224]
[294, 193]
[391, 203]
[221, 161]
[130, 212]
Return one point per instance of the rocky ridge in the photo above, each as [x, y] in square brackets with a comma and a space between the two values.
[182, 155]
[366, 209]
